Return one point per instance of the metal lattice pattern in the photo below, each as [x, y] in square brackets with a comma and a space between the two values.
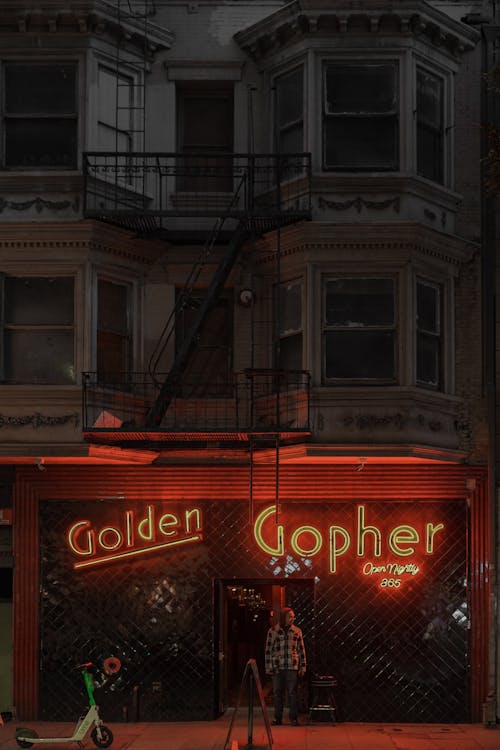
[398, 656]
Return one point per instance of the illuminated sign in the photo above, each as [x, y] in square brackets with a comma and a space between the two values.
[394, 544]
[133, 536]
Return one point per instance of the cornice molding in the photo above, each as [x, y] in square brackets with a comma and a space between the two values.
[79, 235]
[357, 18]
[409, 237]
[84, 17]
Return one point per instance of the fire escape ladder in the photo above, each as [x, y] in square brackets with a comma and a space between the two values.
[187, 292]
[169, 387]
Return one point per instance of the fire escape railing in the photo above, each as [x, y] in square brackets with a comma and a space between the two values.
[260, 401]
[142, 190]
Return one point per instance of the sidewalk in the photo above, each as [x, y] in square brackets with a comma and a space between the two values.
[211, 735]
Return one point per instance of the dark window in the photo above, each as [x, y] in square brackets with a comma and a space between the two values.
[359, 329]
[38, 330]
[430, 129]
[113, 328]
[428, 334]
[290, 112]
[40, 116]
[206, 134]
[360, 122]
[115, 121]
[290, 326]
[209, 368]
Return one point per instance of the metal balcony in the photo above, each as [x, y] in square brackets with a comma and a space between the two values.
[254, 404]
[144, 191]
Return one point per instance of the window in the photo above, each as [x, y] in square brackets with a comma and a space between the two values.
[38, 330]
[290, 112]
[40, 116]
[430, 128]
[115, 111]
[290, 326]
[428, 328]
[359, 329]
[206, 130]
[360, 122]
[209, 368]
[114, 338]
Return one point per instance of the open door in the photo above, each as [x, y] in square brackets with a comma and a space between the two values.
[245, 610]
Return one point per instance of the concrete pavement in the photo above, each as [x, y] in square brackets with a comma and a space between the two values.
[212, 735]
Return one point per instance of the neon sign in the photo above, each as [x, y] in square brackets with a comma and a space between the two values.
[133, 537]
[401, 541]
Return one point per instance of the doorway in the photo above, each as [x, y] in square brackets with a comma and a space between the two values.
[246, 609]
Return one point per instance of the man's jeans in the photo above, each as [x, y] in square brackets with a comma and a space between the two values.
[285, 679]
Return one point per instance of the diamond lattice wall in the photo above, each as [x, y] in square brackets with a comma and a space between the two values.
[398, 655]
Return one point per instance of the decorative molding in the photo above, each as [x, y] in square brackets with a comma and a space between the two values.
[371, 422]
[37, 420]
[40, 204]
[359, 203]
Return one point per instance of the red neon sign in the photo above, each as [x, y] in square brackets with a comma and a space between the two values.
[389, 555]
[133, 537]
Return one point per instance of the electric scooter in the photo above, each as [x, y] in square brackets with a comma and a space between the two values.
[101, 735]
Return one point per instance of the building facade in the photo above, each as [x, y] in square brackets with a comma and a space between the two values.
[244, 362]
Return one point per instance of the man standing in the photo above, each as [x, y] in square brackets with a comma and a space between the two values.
[285, 661]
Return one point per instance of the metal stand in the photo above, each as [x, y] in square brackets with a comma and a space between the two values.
[323, 697]
[251, 674]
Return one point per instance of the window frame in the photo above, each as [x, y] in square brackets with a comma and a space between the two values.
[394, 328]
[397, 114]
[28, 273]
[107, 273]
[298, 123]
[439, 335]
[444, 76]
[73, 116]
[287, 334]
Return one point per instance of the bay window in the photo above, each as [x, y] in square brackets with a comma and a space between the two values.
[360, 116]
[359, 330]
[37, 326]
[40, 115]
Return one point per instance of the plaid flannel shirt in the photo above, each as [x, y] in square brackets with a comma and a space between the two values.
[285, 649]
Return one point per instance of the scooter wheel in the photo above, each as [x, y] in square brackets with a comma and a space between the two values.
[106, 737]
[22, 732]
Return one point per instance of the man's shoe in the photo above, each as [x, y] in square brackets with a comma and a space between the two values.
[294, 723]
[276, 722]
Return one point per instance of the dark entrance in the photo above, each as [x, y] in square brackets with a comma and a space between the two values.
[246, 609]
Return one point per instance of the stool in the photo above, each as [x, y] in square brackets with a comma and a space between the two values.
[323, 697]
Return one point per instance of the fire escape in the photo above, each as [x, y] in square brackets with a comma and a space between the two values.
[235, 198]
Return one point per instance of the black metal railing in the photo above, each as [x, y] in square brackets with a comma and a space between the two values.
[254, 401]
[151, 187]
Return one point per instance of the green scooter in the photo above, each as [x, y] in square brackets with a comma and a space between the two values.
[101, 735]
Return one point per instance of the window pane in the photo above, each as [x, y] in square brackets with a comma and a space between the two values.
[427, 308]
[360, 354]
[290, 355]
[290, 308]
[211, 362]
[289, 97]
[112, 301]
[44, 142]
[428, 359]
[360, 302]
[113, 328]
[291, 140]
[39, 301]
[361, 143]
[115, 91]
[360, 88]
[430, 129]
[40, 89]
[208, 123]
[39, 357]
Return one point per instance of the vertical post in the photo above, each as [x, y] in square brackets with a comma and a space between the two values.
[250, 708]
[277, 480]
